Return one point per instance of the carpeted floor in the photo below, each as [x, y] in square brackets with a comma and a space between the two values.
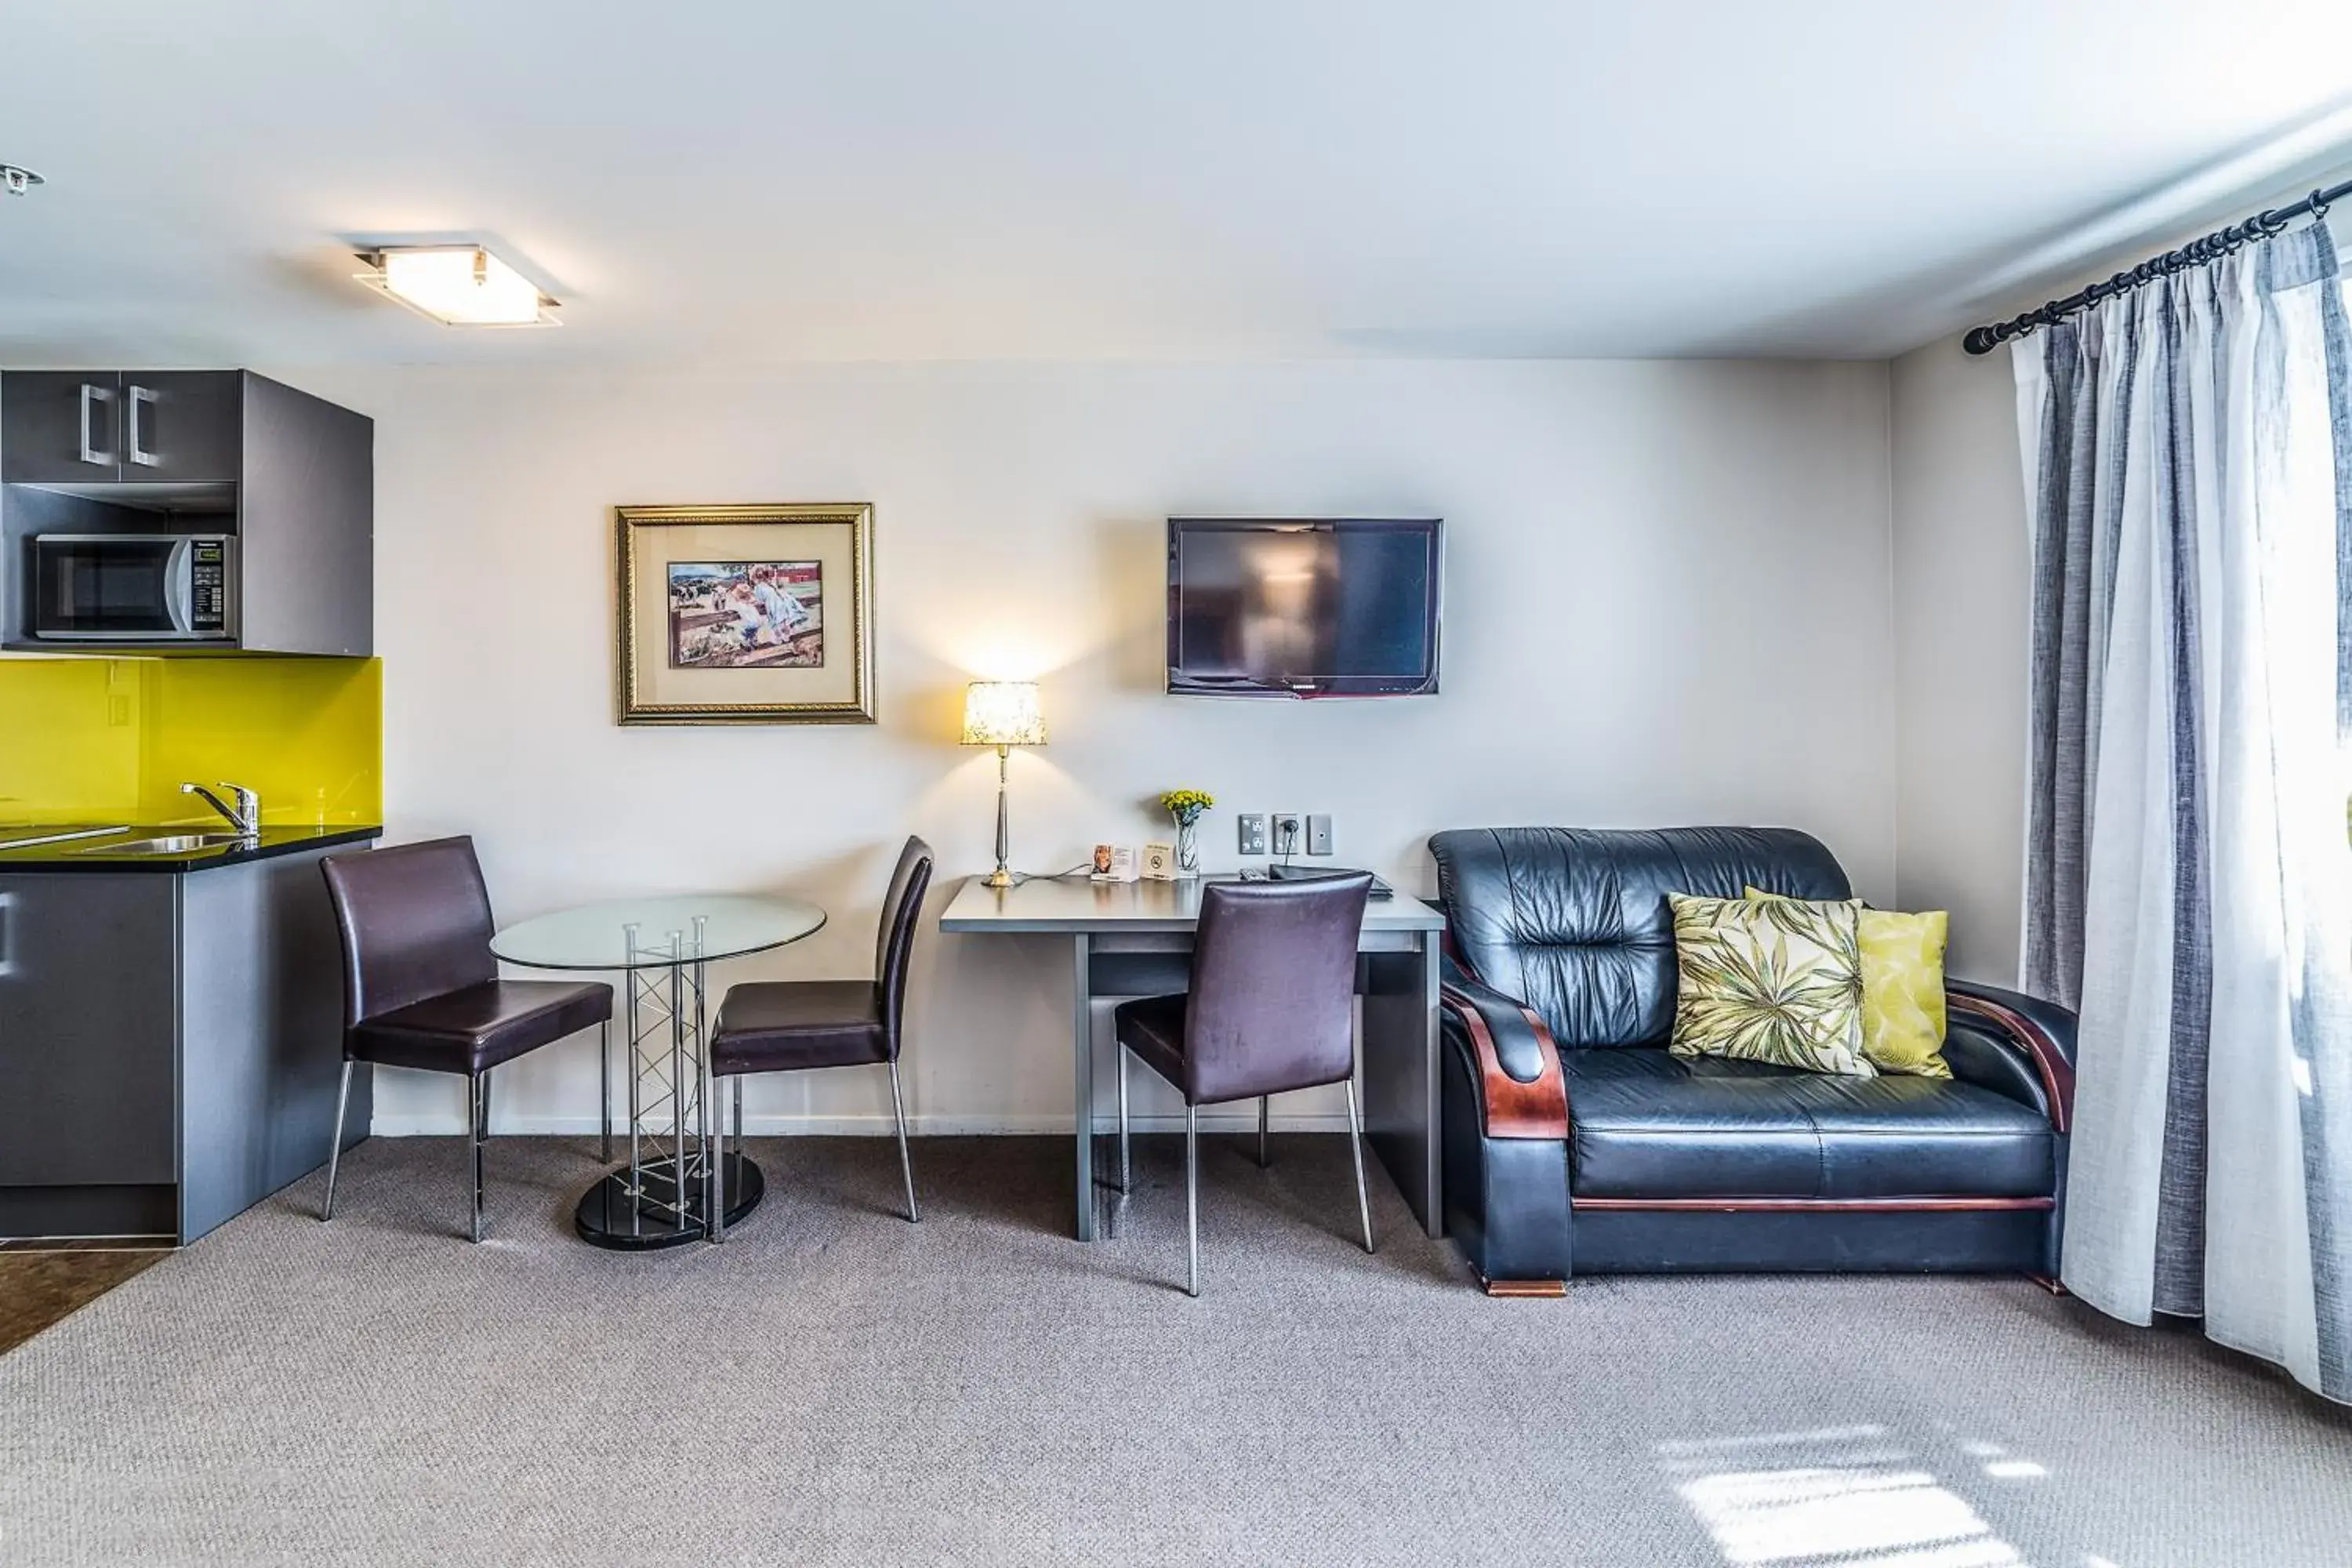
[836, 1385]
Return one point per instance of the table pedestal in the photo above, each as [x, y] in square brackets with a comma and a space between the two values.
[677, 1164]
[611, 1215]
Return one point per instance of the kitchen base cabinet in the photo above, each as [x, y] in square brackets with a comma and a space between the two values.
[170, 1045]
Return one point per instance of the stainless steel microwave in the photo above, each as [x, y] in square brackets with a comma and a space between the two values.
[132, 587]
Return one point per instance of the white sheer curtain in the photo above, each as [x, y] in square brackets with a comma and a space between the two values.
[2189, 882]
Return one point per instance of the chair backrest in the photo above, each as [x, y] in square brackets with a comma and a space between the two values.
[415, 923]
[893, 938]
[1273, 986]
[1574, 921]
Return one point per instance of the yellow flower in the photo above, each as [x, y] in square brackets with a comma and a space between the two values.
[1186, 804]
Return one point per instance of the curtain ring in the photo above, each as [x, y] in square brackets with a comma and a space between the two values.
[2319, 205]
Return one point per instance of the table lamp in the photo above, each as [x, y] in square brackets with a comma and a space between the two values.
[1003, 714]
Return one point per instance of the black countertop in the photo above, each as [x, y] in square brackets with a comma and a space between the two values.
[91, 854]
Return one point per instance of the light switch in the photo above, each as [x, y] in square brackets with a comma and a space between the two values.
[1319, 834]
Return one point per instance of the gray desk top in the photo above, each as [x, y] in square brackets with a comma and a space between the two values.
[1073, 904]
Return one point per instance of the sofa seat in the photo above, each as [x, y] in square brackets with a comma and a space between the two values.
[1647, 1124]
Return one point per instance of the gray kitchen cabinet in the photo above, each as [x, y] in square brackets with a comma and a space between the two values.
[289, 477]
[56, 427]
[170, 1045]
[122, 427]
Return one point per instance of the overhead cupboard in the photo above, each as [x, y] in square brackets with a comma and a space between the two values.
[187, 511]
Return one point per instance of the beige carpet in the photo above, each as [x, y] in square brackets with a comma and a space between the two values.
[836, 1385]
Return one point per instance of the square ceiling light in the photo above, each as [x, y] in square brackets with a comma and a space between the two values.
[458, 286]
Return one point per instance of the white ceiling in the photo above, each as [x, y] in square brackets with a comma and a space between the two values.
[732, 183]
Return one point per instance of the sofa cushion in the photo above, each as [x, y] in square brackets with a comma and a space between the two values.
[1773, 980]
[1644, 1123]
[1902, 1013]
[1573, 920]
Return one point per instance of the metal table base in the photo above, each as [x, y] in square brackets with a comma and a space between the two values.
[665, 1194]
[612, 1214]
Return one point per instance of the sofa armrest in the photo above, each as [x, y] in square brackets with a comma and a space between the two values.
[2041, 1032]
[1522, 1093]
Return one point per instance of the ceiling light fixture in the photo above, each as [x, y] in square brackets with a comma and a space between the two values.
[17, 181]
[457, 285]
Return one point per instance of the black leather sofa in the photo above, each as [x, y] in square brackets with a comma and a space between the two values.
[1575, 1144]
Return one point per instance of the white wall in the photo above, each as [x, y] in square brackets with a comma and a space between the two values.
[1963, 564]
[1667, 601]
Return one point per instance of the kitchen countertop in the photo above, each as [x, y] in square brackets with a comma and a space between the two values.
[87, 855]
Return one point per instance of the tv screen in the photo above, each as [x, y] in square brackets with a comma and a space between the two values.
[1277, 607]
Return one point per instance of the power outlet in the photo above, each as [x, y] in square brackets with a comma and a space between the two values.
[1319, 834]
[1253, 832]
[1289, 833]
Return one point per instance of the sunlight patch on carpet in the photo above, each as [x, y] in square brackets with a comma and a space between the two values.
[1850, 1495]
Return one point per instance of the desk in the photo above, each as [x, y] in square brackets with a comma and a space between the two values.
[665, 1195]
[1134, 939]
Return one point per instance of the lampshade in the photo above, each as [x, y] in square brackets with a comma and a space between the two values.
[1003, 713]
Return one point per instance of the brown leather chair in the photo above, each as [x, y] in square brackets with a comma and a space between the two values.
[789, 1025]
[422, 990]
[1271, 1009]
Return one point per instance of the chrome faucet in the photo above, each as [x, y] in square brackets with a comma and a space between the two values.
[245, 815]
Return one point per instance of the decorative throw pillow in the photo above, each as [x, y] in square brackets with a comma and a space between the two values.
[1776, 981]
[1903, 1019]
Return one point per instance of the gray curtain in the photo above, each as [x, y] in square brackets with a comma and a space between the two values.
[2189, 882]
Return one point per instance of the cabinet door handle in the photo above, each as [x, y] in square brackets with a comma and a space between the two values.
[91, 396]
[139, 394]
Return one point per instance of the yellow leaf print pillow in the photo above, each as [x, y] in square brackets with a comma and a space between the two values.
[1903, 1018]
[1775, 982]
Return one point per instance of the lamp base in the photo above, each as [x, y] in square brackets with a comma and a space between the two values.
[1000, 877]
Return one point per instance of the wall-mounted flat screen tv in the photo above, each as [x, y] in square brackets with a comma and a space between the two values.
[1303, 607]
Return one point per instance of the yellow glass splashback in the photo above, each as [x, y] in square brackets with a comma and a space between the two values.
[111, 739]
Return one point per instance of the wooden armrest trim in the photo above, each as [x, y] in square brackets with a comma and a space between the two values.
[1515, 1110]
[1815, 1206]
[2057, 1072]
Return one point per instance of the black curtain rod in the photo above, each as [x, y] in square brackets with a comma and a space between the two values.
[2196, 253]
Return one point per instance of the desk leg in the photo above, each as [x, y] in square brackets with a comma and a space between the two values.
[1401, 1075]
[1082, 1035]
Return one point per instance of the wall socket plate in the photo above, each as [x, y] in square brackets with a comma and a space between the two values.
[1318, 832]
[1253, 832]
[1289, 832]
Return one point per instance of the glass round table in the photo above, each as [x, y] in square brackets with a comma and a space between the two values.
[680, 1183]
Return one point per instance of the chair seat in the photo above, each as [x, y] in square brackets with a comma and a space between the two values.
[1647, 1124]
[782, 1025]
[476, 1027]
[1153, 1028]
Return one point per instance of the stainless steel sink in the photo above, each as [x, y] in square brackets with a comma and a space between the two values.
[172, 844]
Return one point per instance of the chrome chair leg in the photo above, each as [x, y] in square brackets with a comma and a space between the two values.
[1263, 1163]
[478, 1085]
[335, 1149]
[1192, 1201]
[1356, 1147]
[906, 1165]
[1125, 1161]
[605, 1081]
[739, 1112]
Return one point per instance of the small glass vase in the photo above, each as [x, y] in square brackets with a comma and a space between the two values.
[1188, 848]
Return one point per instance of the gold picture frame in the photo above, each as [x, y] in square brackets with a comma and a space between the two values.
[732, 614]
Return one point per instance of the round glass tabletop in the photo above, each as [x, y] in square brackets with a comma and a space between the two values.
[597, 936]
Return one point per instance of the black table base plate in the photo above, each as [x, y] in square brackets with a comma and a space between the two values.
[608, 1217]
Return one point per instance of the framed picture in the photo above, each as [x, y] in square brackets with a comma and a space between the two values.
[746, 614]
